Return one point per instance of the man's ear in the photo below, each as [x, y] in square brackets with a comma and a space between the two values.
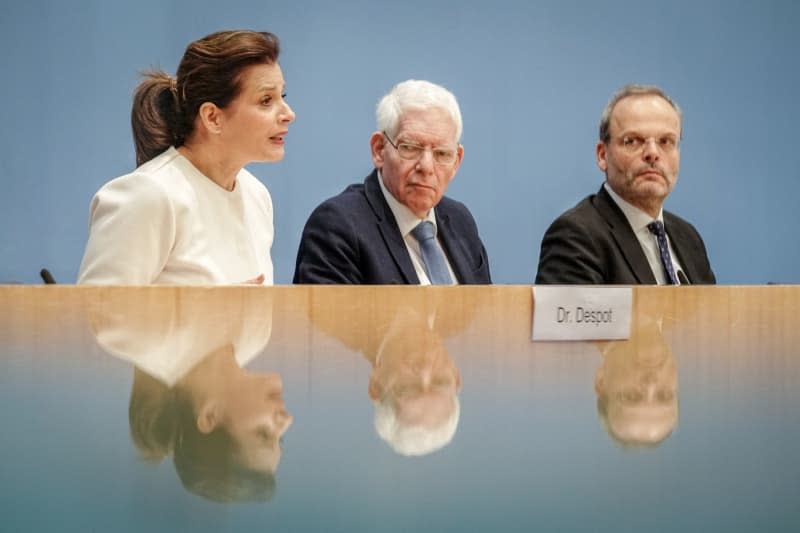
[375, 390]
[598, 381]
[208, 418]
[460, 157]
[377, 142]
[210, 117]
[602, 162]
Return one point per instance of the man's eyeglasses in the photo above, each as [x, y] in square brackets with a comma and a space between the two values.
[634, 143]
[413, 151]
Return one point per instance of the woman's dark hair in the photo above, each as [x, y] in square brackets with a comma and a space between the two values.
[163, 423]
[165, 108]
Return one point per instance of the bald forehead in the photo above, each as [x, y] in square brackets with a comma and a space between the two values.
[640, 108]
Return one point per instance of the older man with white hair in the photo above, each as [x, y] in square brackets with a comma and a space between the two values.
[397, 227]
[414, 387]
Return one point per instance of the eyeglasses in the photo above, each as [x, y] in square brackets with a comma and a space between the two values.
[413, 151]
[634, 143]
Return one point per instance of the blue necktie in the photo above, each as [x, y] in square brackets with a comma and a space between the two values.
[432, 254]
[657, 228]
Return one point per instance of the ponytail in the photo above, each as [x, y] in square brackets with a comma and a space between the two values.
[155, 116]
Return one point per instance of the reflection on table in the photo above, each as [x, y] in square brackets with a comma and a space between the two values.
[637, 387]
[191, 397]
[506, 434]
[414, 383]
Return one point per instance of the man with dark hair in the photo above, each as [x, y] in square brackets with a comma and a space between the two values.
[622, 235]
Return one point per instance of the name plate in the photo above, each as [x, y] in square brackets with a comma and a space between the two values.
[581, 313]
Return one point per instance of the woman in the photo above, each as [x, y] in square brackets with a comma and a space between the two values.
[221, 424]
[190, 213]
[193, 398]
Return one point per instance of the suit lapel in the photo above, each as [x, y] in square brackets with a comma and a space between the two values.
[623, 235]
[387, 226]
[452, 246]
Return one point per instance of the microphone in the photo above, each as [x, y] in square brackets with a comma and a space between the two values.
[682, 278]
[47, 276]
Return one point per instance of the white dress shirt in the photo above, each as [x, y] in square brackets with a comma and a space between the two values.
[407, 221]
[638, 221]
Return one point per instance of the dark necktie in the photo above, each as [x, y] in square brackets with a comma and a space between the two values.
[657, 228]
[432, 254]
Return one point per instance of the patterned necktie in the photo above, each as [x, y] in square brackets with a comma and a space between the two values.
[432, 254]
[657, 228]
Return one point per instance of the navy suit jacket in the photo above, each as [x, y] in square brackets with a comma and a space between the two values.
[594, 244]
[353, 238]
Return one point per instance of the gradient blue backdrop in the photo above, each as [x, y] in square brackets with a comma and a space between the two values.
[531, 77]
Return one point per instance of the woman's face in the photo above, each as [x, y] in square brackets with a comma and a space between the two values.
[256, 122]
[255, 417]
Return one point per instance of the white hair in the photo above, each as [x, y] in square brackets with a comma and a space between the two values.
[415, 94]
[414, 440]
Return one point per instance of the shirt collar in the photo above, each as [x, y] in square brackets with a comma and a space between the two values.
[637, 218]
[406, 220]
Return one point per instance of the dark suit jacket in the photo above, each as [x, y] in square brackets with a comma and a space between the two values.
[353, 238]
[594, 244]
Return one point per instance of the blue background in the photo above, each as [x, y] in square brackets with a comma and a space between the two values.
[531, 78]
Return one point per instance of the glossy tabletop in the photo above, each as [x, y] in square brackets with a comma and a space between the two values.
[394, 409]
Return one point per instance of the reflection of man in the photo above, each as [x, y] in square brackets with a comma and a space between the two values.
[637, 388]
[191, 398]
[622, 235]
[414, 385]
[375, 232]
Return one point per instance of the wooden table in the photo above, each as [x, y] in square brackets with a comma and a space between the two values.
[395, 409]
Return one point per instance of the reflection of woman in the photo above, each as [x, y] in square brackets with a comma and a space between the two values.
[190, 213]
[221, 424]
[191, 398]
